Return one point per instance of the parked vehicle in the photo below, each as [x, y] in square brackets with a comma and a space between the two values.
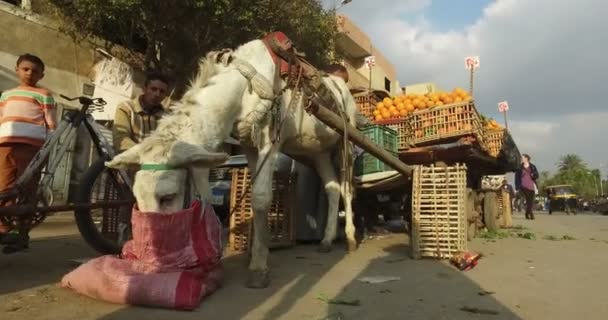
[562, 198]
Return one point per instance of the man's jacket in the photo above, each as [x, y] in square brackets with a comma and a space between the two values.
[132, 124]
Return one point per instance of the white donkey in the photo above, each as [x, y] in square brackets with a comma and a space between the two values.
[232, 95]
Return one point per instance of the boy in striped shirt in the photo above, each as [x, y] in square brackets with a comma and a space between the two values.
[27, 116]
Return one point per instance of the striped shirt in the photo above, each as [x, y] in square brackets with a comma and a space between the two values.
[27, 115]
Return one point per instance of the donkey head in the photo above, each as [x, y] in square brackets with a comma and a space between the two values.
[162, 172]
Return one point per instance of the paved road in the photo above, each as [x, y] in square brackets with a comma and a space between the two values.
[531, 279]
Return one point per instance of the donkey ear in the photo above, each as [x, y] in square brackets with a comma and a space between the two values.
[184, 154]
[127, 160]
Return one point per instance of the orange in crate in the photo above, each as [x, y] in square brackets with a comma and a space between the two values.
[445, 122]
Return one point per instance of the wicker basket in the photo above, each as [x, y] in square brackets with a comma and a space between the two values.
[404, 131]
[456, 120]
[366, 103]
[280, 215]
[493, 139]
[438, 211]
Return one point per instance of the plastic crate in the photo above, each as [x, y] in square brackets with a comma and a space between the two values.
[280, 216]
[366, 164]
[437, 124]
[438, 211]
[403, 129]
[383, 136]
[493, 139]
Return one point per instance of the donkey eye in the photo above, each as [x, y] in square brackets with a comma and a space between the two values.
[167, 199]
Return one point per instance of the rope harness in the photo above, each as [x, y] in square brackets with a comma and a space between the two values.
[264, 89]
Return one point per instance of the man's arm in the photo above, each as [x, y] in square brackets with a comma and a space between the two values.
[121, 130]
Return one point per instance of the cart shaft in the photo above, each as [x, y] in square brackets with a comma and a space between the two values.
[335, 122]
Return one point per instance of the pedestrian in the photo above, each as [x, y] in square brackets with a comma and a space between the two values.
[27, 116]
[136, 119]
[525, 182]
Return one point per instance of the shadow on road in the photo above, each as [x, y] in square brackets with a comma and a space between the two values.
[427, 289]
[45, 262]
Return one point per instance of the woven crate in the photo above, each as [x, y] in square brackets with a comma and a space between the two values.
[438, 211]
[366, 103]
[404, 131]
[493, 140]
[443, 123]
[280, 215]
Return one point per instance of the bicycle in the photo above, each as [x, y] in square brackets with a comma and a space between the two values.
[116, 184]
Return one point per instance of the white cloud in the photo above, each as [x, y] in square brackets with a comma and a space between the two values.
[546, 57]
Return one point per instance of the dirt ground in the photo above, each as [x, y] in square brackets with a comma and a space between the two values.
[529, 279]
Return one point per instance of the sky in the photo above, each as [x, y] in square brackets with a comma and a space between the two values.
[547, 58]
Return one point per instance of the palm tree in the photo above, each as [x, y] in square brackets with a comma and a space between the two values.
[571, 162]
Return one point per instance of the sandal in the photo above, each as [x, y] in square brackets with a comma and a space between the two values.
[14, 242]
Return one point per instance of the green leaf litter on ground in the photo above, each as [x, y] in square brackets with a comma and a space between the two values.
[527, 235]
[502, 234]
[498, 234]
[554, 238]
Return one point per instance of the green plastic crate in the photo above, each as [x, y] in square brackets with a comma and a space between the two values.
[366, 164]
[382, 136]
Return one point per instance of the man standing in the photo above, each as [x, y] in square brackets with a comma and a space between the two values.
[136, 119]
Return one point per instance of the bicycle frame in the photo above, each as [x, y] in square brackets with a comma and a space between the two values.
[69, 125]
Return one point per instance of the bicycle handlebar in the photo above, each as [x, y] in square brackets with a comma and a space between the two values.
[88, 103]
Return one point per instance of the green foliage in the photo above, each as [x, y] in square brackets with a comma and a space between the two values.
[172, 35]
[574, 171]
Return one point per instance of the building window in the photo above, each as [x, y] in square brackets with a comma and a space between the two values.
[387, 84]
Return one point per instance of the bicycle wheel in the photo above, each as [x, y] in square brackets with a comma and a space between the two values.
[100, 227]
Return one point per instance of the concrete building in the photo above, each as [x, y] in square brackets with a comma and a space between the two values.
[71, 69]
[354, 46]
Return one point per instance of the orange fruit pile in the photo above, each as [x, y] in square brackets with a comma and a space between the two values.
[491, 124]
[401, 106]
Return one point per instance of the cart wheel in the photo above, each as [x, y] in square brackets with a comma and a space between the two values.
[490, 210]
[100, 227]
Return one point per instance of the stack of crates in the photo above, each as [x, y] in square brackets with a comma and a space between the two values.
[438, 211]
[384, 137]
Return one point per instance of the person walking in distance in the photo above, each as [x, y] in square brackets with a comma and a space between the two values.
[525, 182]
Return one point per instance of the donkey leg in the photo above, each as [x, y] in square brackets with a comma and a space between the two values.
[261, 199]
[347, 197]
[327, 173]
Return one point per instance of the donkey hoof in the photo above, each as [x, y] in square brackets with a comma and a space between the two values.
[258, 279]
[351, 246]
[324, 248]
